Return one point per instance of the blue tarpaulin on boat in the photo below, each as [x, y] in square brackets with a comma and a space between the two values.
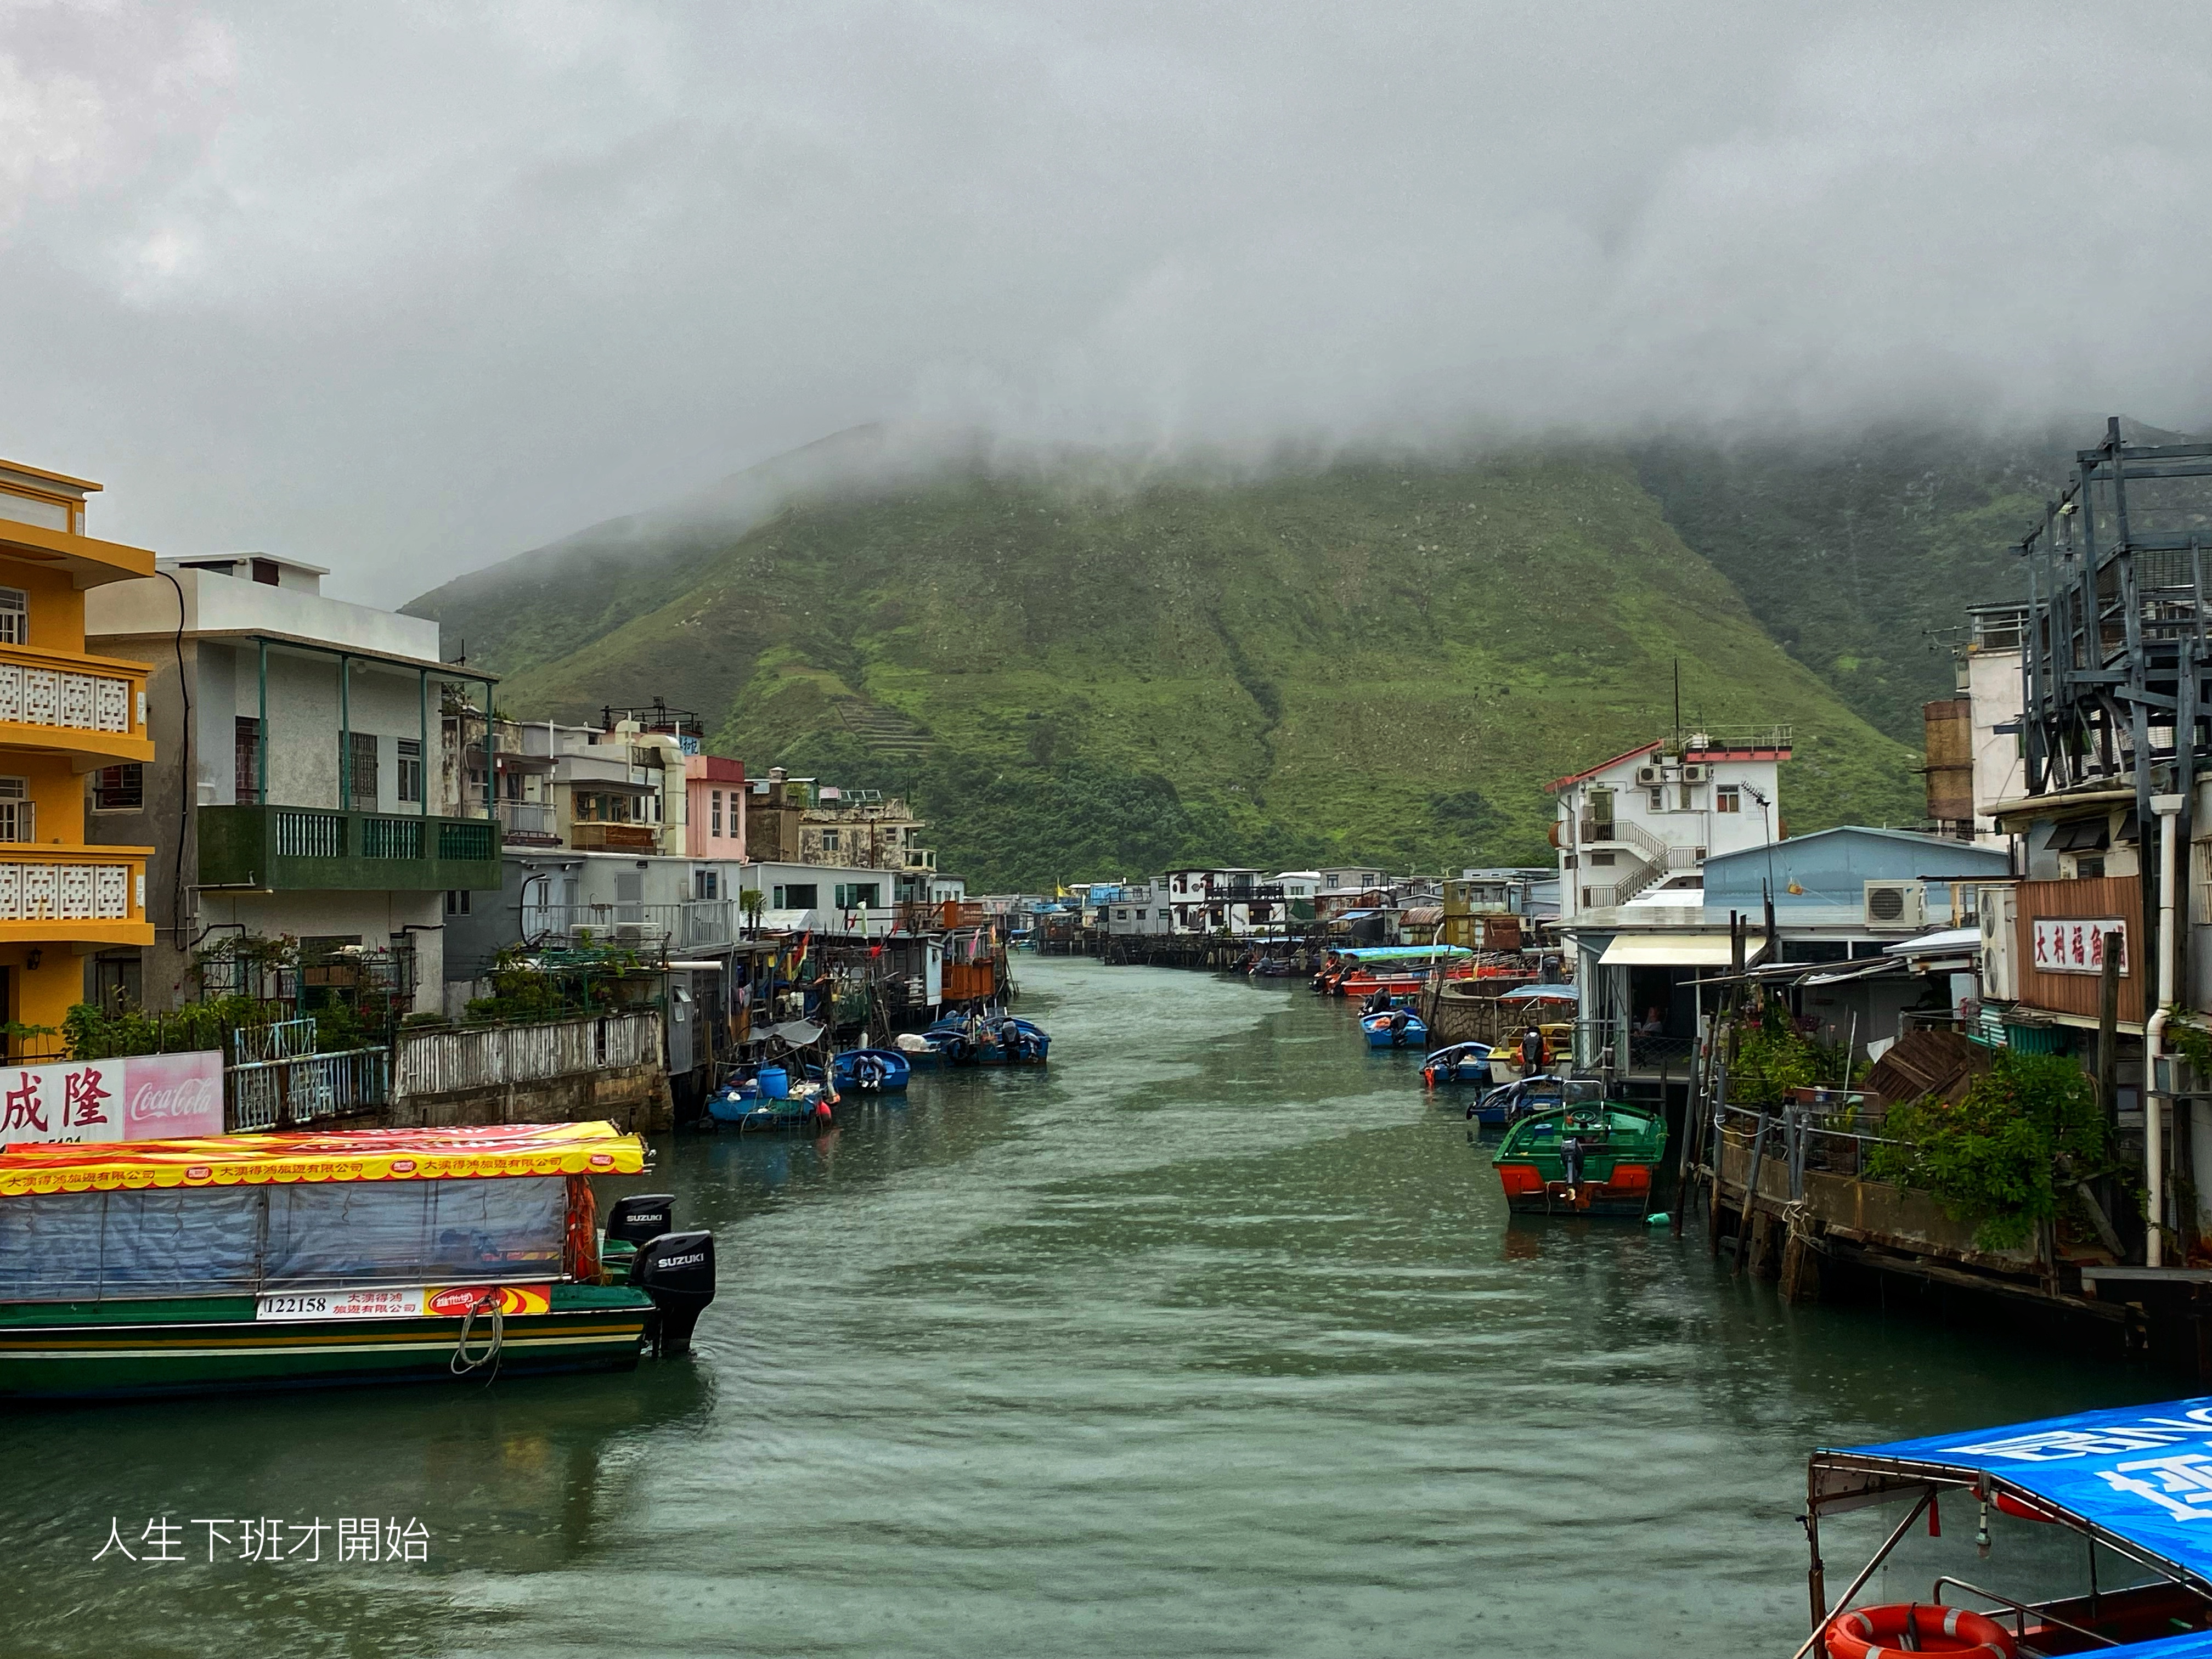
[2144, 1473]
[1539, 993]
[2197, 1645]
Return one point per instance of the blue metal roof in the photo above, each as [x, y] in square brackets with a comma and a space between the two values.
[2143, 1473]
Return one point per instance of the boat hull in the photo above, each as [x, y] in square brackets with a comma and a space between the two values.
[215, 1344]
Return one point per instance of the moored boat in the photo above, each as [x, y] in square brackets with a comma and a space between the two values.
[2126, 1482]
[771, 1098]
[1398, 969]
[1462, 1063]
[1587, 1157]
[870, 1071]
[1524, 1096]
[1395, 1028]
[295, 1259]
[988, 1038]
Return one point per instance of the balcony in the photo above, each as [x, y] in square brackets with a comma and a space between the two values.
[79, 895]
[529, 823]
[692, 925]
[614, 838]
[88, 560]
[306, 850]
[93, 707]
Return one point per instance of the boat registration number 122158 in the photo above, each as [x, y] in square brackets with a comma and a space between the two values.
[411, 1302]
[341, 1305]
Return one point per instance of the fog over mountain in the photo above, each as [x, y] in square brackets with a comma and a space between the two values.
[406, 290]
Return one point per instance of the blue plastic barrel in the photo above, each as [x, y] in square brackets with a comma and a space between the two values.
[775, 1083]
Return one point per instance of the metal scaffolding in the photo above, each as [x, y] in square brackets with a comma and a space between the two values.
[2116, 659]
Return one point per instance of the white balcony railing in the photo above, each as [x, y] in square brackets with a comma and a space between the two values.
[31, 695]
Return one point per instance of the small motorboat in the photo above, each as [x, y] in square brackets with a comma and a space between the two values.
[1395, 1028]
[1595, 1157]
[1513, 1100]
[1463, 1063]
[870, 1071]
[989, 1039]
[770, 1099]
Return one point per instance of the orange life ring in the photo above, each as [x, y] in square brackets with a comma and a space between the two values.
[1870, 1632]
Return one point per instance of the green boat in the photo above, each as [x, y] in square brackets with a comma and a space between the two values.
[287, 1261]
[1593, 1157]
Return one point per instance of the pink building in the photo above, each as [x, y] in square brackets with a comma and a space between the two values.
[714, 790]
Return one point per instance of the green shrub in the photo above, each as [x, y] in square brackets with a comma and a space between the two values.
[1993, 1159]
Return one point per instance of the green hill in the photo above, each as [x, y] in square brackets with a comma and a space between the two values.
[1373, 661]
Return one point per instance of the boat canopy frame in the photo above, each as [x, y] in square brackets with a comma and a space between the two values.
[2056, 1468]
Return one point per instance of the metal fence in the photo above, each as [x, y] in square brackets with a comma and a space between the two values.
[445, 1062]
[303, 1088]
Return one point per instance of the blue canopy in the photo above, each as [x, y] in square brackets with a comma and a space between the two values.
[2143, 1473]
[2197, 1645]
[1405, 952]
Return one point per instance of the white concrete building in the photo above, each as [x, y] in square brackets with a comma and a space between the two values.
[1629, 821]
[305, 788]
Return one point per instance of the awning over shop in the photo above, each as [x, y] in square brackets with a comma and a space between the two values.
[1682, 950]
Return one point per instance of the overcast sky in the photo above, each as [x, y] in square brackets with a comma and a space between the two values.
[404, 290]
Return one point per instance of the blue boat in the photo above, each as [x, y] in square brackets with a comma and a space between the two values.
[2124, 1482]
[1509, 1103]
[1463, 1063]
[769, 1099]
[990, 1040]
[870, 1071]
[1398, 1028]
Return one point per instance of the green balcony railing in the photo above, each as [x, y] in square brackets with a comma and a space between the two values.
[305, 848]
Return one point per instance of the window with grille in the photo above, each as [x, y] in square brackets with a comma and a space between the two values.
[246, 750]
[15, 616]
[18, 812]
[361, 784]
[410, 769]
[718, 812]
[119, 788]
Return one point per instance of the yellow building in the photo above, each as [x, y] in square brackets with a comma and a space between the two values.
[63, 714]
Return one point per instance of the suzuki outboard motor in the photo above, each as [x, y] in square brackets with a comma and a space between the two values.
[645, 1216]
[676, 1270]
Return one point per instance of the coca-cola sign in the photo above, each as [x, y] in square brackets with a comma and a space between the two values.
[171, 1095]
[139, 1097]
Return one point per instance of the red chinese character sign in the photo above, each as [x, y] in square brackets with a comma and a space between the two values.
[2075, 944]
[139, 1097]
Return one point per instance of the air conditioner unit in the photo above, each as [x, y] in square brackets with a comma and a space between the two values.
[2000, 914]
[1694, 773]
[1648, 775]
[1896, 903]
[630, 933]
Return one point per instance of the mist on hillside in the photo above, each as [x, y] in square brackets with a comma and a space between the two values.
[406, 292]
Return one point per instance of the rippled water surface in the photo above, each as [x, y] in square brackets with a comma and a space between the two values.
[1214, 1339]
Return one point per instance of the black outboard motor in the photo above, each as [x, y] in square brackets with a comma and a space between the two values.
[676, 1270]
[642, 1216]
[1570, 1163]
[1010, 1039]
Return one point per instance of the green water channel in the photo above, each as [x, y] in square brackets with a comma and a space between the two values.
[1213, 1339]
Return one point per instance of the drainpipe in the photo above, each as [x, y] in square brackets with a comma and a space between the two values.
[2168, 809]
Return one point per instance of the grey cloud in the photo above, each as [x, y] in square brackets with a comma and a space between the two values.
[406, 290]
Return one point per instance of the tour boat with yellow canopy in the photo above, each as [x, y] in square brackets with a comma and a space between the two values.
[291, 1260]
